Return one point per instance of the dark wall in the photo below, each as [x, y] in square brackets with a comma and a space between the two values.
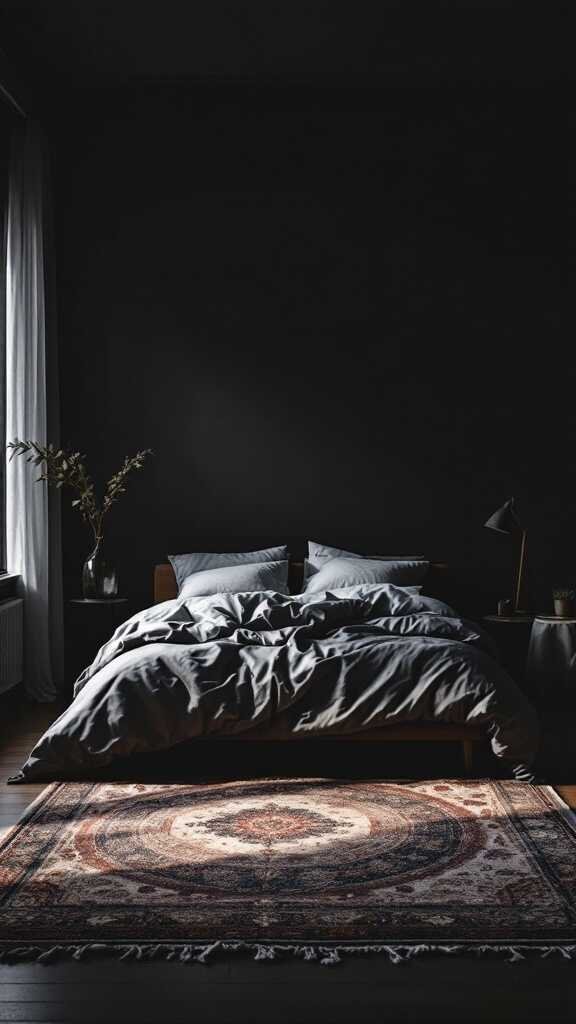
[344, 315]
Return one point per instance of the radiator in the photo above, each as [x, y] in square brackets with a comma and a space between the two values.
[11, 643]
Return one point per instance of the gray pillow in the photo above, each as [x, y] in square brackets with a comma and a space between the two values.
[318, 554]
[197, 561]
[347, 572]
[237, 579]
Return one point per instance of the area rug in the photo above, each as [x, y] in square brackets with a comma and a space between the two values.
[313, 867]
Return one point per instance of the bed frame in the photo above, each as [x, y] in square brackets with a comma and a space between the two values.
[166, 589]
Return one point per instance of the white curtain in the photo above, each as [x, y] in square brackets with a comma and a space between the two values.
[32, 520]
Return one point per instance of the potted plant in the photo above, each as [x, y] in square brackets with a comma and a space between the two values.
[563, 598]
[64, 468]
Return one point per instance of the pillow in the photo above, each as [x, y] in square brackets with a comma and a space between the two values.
[318, 554]
[347, 572]
[197, 561]
[236, 579]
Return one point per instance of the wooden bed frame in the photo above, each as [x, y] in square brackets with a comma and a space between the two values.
[166, 589]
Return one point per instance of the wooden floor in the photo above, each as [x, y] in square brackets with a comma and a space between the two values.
[365, 989]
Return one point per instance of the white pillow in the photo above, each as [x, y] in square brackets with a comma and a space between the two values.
[237, 579]
[197, 561]
[318, 554]
[347, 572]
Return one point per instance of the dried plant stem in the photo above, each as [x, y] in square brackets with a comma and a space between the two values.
[64, 468]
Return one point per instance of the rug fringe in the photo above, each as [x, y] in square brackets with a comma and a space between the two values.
[326, 955]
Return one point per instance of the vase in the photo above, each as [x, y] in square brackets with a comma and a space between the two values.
[563, 607]
[99, 576]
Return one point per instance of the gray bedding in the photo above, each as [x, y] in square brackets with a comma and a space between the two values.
[336, 662]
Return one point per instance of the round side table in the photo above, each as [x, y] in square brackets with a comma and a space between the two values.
[517, 620]
[551, 662]
[99, 600]
[89, 623]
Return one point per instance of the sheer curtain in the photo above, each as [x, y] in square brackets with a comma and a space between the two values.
[32, 514]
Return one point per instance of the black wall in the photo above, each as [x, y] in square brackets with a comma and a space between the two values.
[339, 314]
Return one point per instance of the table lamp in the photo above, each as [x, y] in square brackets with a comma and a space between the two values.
[505, 520]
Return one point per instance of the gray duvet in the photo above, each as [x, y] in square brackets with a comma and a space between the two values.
[337, 662]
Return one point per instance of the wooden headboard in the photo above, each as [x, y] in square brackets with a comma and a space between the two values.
[166, 588]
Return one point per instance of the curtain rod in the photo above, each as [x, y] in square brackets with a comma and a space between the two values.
[13, 102]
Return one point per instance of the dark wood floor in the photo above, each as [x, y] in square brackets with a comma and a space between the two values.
[363, 989]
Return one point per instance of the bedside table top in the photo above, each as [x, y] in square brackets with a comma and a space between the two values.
[509, 618]
[98, 600]
[555, 618]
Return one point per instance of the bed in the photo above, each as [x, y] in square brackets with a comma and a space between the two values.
[370, 662]
[467, 736]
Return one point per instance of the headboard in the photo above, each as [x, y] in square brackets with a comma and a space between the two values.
[166, 588]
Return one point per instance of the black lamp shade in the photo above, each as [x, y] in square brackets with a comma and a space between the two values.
[505, 519]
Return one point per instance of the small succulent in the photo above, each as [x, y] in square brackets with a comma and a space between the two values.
[563, 593]
[64, 468]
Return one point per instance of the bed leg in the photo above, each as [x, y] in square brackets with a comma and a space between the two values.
[467, 756]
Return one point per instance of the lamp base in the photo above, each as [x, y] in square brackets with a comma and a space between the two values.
[506, 609]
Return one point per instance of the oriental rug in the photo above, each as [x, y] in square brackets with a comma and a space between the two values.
[311, 866]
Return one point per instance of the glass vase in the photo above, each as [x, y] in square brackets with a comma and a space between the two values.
[99, 576]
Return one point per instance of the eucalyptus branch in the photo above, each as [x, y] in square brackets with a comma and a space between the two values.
[117, 483]
[64, 468]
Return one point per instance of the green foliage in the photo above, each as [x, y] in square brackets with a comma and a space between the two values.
[63, 468]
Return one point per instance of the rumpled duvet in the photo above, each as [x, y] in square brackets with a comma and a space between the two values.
[337, 662]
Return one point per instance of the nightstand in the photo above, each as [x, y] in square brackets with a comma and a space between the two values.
[89, 624]
[511, 634]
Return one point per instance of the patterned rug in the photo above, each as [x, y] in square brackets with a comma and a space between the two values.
[303, 865]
